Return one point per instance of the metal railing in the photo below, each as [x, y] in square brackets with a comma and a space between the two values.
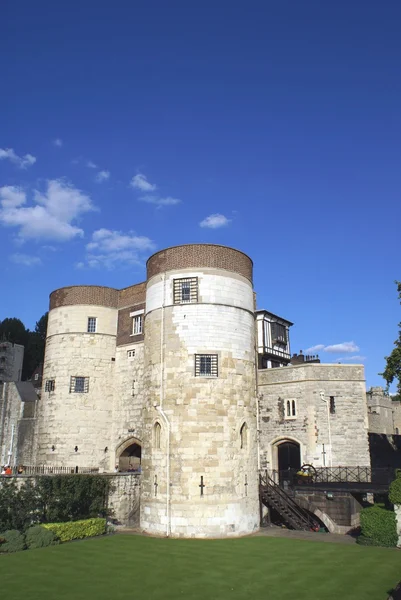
[46, 470]
[334, 475]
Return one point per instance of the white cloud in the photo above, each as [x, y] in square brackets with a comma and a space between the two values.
[102, 176]
[51, 214]
[110, 248]
[351, 358]
[158, 201]
[91, 165]
[343, 347]
[140, 182]
[23, 162]
[58, 142]
[314, 349]
[25, 259]
[214, 221]
[12, 196]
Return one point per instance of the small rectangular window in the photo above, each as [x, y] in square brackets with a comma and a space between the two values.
[290, 409]
[185, 290]
[206, 365]
[36, 376]
[130, 353]
[50, 385]
[332, 405]
[137, 325]
[79, 385]
[91, 324]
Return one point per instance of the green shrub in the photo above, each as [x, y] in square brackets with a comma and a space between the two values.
[73, 497]
[14, 541]
[395, 491]
[19, 505]
[39, 537]
[77, 530]
[378, 525]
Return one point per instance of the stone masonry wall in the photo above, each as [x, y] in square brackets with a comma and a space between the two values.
[205, 414]
[67, 419]
[310, 428]
[128, 397]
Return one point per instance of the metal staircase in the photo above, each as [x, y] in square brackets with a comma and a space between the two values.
[273, 496]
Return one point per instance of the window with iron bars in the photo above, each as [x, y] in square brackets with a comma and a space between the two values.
[79, 385]
[279, 333]
[206, 365]
[50, 385]
[186, 290]
[91, 324]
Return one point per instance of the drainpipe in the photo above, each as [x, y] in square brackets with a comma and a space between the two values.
[3, 418]
[161, 411]
[322, 396]
[10, 452]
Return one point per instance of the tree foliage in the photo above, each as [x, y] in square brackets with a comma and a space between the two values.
[13, 330]
[392, 372]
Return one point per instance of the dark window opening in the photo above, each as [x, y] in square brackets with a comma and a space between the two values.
[79, 385]
[50, 385]
[279, 333]
[332, 405]
[206, 365]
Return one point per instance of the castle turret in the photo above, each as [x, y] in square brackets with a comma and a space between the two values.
[75, 411]
[199, 461]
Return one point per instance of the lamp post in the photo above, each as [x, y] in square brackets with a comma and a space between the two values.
[322, 397]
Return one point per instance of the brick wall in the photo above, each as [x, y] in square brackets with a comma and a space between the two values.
[84, 294]
[198, 256]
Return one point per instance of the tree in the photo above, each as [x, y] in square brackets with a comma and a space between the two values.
[41, 326]
[393, 362]
[13, 330]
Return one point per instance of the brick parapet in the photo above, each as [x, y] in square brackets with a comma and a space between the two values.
[95, 295]
[200, 256]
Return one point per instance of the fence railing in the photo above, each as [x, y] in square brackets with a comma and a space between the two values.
[333, 475]
[46, 470]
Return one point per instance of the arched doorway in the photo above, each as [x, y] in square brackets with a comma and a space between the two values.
[288, 458]
[129, 456]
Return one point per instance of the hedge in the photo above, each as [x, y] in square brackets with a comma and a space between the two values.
[39, 537]
[379, 526]
[77, 530]
[12, 541]
[395, 491]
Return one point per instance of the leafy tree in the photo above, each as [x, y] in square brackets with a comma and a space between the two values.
[13, 330]
[41, 326]
[393, 362]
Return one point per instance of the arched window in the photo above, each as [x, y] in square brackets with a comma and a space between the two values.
[291, 409]
[156, 435]
[244, 436]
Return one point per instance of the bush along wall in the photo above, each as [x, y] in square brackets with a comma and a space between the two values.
[52, 499]
[378, 527]
[77, 530]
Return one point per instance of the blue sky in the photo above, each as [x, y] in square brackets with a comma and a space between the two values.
[273, 127]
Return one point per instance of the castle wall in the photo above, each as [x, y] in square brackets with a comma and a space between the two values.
[128, 397]
[204, 414]
[10, 412]
[382, 412]
[67, 419]
[310, 428]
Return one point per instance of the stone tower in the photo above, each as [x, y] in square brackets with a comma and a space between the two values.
[75, 415]
[199, 457]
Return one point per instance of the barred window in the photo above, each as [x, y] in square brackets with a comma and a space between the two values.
[206, 365]
[91, 324]
[50, 385]
[279, 333]
[186, 290]
[79, 385]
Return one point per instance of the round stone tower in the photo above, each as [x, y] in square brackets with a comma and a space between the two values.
[75, 411]
[199, 461]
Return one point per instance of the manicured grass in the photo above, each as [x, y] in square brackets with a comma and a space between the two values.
[124, 567]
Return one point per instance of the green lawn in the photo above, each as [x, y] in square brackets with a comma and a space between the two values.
[126, 567]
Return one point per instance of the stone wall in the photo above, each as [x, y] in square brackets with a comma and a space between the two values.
[11, 360]
[310, 428]
[17, 427]
[124, 499]
[200, 417]
[380, 411]
[67, 419]
[128, 397]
